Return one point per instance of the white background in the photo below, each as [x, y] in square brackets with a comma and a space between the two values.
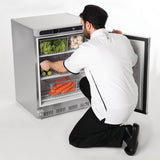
[18, 129]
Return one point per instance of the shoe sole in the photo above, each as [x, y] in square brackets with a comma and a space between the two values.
[132, 151]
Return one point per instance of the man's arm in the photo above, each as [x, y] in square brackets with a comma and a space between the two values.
[57, 66]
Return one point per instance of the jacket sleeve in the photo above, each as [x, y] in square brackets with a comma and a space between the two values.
[78, 60]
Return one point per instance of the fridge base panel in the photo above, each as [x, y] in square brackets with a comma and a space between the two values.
[59, 99]
[61, 108]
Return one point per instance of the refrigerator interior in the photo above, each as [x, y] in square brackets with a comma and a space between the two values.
[52, 82]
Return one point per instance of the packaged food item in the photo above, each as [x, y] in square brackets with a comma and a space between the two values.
[62, 87]
[75, 41]
[53, 46]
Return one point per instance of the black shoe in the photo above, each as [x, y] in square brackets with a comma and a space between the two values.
[132, 142]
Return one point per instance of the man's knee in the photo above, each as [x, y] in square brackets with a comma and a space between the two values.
[74, 141]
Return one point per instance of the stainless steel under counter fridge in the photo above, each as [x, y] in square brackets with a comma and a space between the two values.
[56, 37]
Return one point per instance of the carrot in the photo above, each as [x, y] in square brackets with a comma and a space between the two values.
[67, 89]
[64, 86]
[63, 90]
[58, 72]
[72, 89]
[51, 91]
[53, 94]
[58, 85]
[61, 79]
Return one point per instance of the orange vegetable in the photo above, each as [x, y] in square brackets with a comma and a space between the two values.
[65, 86]
[53, 94]
[51, 91]
[58, 72]
[72, 89]
[72, 83]
[58, 85]
[61, 79]
[62, 87]
[68, 88]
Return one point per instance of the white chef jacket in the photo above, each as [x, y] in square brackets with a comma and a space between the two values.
[107, 59]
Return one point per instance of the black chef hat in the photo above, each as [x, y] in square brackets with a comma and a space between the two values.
[95, 15]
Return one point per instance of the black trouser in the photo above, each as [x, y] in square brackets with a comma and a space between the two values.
[91, 132]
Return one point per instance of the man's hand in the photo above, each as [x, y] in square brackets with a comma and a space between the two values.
[116, 31]
[57, 66]
[45, 65]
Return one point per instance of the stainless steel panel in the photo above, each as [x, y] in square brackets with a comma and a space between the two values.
[141, 46]
[45, 22]
[60, 108]
[24, 49]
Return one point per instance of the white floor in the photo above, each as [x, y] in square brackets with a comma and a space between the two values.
[23, 137]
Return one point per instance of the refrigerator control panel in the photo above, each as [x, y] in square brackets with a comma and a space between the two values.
[60, 30]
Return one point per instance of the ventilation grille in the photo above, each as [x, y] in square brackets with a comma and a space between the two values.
[72, 107]
[83, 105]
[60, 110]
[60, 30]
[48, 113]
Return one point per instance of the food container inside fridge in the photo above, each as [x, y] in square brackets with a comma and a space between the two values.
[59, 88]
